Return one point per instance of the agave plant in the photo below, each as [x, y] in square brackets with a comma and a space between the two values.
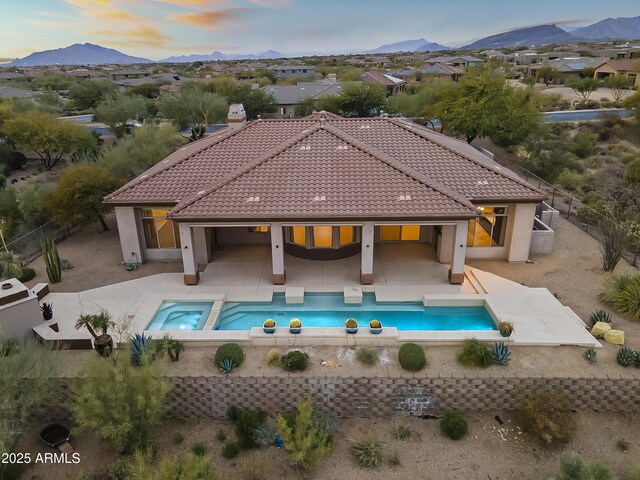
[98, 326]
[140, 344]
[227, 365]
[600, 316]
[625, 356]
[501, 353]
[10, 265]
[590, 354]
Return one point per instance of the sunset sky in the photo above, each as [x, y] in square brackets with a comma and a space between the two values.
[160, 28]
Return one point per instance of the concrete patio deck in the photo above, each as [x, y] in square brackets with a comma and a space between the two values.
[401, 274]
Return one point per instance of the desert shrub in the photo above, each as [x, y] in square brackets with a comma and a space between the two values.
[295, 361]
[178, 438]
[412, 357]
[265, 434]
[253, 467]
[546, 412]
[199, 449]
[27, 274]
[453, 425]
[231, 351]
[573, 468]
[367, 451]
[474, 354]
[247, 423]
[622, 293]
[394, 458]
[230, 449]
[16, 160]
[3, 181]
[221, 435]
[273, 357]
[119, 401]
[367, 355]
[570, 179]
[188, 467]
[583, 144]
[305, 441]
[400, 429]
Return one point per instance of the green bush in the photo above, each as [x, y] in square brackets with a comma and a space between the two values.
[583, 144]
[232, 351]
[305, 440]
[367, 451]
[178, 438]
[474, 354]
[3, 180]
[27, 274]
[367, 355]
[143, 466]
[199, 449]
[230, 449]
[453, 425]
[247, 422]
[622, 293]
[295, 361]
[412, 357]
[573, 468]
[546, 412]
[570, 179]
[400, 429]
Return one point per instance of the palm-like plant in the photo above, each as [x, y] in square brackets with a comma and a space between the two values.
[10, 265]
[98, 326]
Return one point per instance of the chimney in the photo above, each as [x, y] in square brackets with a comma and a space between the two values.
[237, 116]
[333, 77]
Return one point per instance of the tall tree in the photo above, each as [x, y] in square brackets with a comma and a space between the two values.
[358, 99]
[548, 73]
[51, 139]
[583, 87]
[618, 84]
[194, 108]
[88, 94]
[117, 109]
[77, 197]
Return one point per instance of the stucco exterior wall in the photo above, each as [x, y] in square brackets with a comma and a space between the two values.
[131, 236]
[520, 231]
[17, 319]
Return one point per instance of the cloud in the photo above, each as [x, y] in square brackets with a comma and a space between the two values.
[208, 18]
[140, 36]
[196, 3]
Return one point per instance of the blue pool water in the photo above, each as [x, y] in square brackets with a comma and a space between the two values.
[329, 310]
[181, 316]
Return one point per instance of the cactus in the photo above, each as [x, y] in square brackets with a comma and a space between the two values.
[600, 316]
[227, 365]
[590, 354]
[51, 260]
[139, 345]
[501, 353]
[625, 356]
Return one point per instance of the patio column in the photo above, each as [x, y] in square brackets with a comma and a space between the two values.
[131, 237]
[366, 269]
[456, 271]
[189, 261]
[277, 254]
[201, 245]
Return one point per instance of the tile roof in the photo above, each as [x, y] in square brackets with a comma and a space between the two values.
[625, 65]
[382, 79]
[361, 166]
[295, 94]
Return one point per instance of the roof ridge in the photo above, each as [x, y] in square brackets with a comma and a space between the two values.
[289, 142]
[492, 168]
[396, 164]
[144, 176]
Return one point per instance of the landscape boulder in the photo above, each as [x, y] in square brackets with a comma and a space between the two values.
[615, 337]
[599, 329]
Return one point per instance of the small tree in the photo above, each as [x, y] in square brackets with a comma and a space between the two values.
[583, 87]
[117, 109]
[77, 197]
[355, 100]
[306, 441]
[195, 108]
[548, 73]
[617, 84]
[119, 401]
[98, 326]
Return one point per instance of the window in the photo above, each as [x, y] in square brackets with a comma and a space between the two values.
[322, 237]
[346, 235]
[488, 230]
[158, 231]
[396, 233]
[260, 229]
[299, 236]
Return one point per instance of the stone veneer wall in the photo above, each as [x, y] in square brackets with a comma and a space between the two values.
[202, 397]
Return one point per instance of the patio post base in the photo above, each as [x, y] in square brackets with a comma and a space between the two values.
[191, 279]
[456, 278]
[366, 278]
[278, 278]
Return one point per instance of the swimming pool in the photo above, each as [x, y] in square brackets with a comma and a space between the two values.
[329, 310]
[181, 316]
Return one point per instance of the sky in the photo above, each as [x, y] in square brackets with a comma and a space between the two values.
[160, 28]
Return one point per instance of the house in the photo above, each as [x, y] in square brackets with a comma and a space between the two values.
[567, 68]
[286, 71]
[531, 57]
[442, 70]
[391, 84]
[11, 76]
[170, 88]
[128, 74]
[626, 68]
[291, 96]
[462, 61]
[325, 187]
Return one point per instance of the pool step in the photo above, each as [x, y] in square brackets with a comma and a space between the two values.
[294, 295]
[473, 281]
[213, 316]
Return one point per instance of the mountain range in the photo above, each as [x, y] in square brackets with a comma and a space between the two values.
[608, 29]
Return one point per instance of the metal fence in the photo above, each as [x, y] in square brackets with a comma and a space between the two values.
[28, 245]
[571, 207]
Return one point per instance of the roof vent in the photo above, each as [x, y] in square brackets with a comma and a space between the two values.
[365, 126]
[482, 182]
[404, 198]
[202, 192]
[319, 198]
[342, 147]
[253, 199]
[305, 147]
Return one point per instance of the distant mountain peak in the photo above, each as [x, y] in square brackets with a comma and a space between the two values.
[415, 45]
[77, 54]
[538, 35]
[621, 28]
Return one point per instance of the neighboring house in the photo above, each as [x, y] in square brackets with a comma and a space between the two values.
[620, 53]
[530, 57]
[85, 73]
[286, 71]
[567, 68]
[170, 89]
[128, 74]
[291, 96]
[441, 70]
[325, 187]
[625, 68]
[11, 76]
[391, 84]
[12, 92]
[462, 61]
[150, 79]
